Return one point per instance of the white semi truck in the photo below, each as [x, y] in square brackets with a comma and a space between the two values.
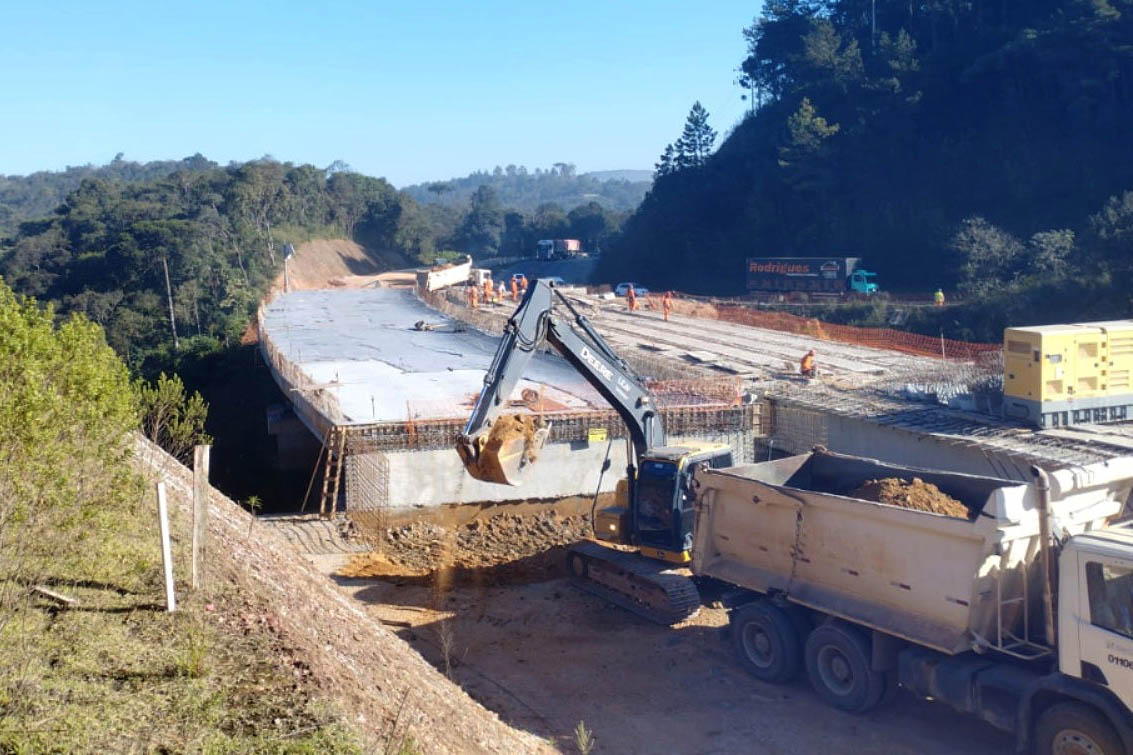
[1021, 613]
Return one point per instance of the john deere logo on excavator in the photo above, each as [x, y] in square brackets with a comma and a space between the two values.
[598, 365]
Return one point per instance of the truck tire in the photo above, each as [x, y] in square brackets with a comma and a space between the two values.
[838, 664]
[1075, 728]
[766, 641]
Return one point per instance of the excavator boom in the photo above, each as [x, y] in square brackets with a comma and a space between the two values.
[501, 449]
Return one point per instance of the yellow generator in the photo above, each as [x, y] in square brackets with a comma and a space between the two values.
[1056, 375]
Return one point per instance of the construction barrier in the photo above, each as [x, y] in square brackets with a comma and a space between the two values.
[878, 338]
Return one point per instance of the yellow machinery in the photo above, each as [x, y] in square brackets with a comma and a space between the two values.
[1056, 375]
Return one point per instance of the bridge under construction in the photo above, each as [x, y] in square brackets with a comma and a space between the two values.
[385, 378]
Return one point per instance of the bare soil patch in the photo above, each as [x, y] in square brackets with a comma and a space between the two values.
[337, 263]
[500, 549]
[913, 494]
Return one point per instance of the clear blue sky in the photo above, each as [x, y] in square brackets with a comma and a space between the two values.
[409, 91]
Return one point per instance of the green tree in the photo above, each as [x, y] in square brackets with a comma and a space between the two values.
[66, 420]
[483, 225]
[171, 417]
[590, 223]
[989, 256]
[697, 138]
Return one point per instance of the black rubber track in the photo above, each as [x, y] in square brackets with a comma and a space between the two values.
[681, 596]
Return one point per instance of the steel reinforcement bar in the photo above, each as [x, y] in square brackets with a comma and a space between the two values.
[565, 427]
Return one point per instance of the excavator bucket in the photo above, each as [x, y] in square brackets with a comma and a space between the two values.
[506, 454]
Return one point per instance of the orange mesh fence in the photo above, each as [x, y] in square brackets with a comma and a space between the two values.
[880, 338]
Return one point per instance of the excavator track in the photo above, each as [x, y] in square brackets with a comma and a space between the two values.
[638, 584]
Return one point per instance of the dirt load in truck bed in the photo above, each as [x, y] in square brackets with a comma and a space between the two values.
[916, 494]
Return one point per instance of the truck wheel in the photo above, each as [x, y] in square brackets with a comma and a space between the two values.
[1075, 729]
[766, 641]
[838, 664]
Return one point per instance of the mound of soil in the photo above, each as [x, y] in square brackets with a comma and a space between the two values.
[507, 547]
[916, 494]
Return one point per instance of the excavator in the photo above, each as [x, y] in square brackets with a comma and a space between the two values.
[652, 509]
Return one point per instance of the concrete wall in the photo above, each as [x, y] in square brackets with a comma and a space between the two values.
[797, 430]
[408, 479]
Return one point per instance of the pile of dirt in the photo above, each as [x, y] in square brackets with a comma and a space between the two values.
[916, 494]
[500, 548]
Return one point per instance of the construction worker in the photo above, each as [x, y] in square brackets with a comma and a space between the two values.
[522, 283]
[938, 297]
[501, 292]
[806, 366]
[488, 290]
[667, 304]
[514, 289]
[631, 298]
[474, 296]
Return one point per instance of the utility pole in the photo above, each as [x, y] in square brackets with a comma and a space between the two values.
[169, 295]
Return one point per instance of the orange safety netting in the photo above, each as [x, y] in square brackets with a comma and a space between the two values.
[879, 338]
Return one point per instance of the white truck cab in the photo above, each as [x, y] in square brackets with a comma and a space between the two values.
[1095, 617]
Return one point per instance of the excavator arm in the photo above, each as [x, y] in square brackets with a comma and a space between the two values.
[499, 449]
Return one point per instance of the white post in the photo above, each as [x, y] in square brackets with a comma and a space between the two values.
[166, 554]
[200, 511]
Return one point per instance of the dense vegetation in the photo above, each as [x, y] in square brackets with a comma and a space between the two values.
[116, 672]
[38, 194]
[525, 191]
[980, 146]
[173, 257]
[177, 264]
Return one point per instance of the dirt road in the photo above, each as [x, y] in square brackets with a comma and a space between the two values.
[545, 656]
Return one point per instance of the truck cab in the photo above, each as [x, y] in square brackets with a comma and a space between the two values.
[1095, 618]
[861, 283]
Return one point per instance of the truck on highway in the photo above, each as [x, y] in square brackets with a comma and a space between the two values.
[558, 249]
[1020, 613]
[822, 276]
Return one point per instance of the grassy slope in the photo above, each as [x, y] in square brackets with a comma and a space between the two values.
[119, 673]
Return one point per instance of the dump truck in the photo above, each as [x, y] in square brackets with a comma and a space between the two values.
[1020, 613]
[823, 276]
[445, 274]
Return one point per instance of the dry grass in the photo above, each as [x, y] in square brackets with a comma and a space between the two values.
[117, 673]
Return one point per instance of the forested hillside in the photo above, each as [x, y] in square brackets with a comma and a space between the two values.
[177, 264]
[980, 145]
[38, 194]
[517, 188]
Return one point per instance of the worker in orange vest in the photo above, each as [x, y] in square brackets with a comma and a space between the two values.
[487, 290]
[473, 296]
[631, 298]
[806, 366]
[514, 290]
[667, 304]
